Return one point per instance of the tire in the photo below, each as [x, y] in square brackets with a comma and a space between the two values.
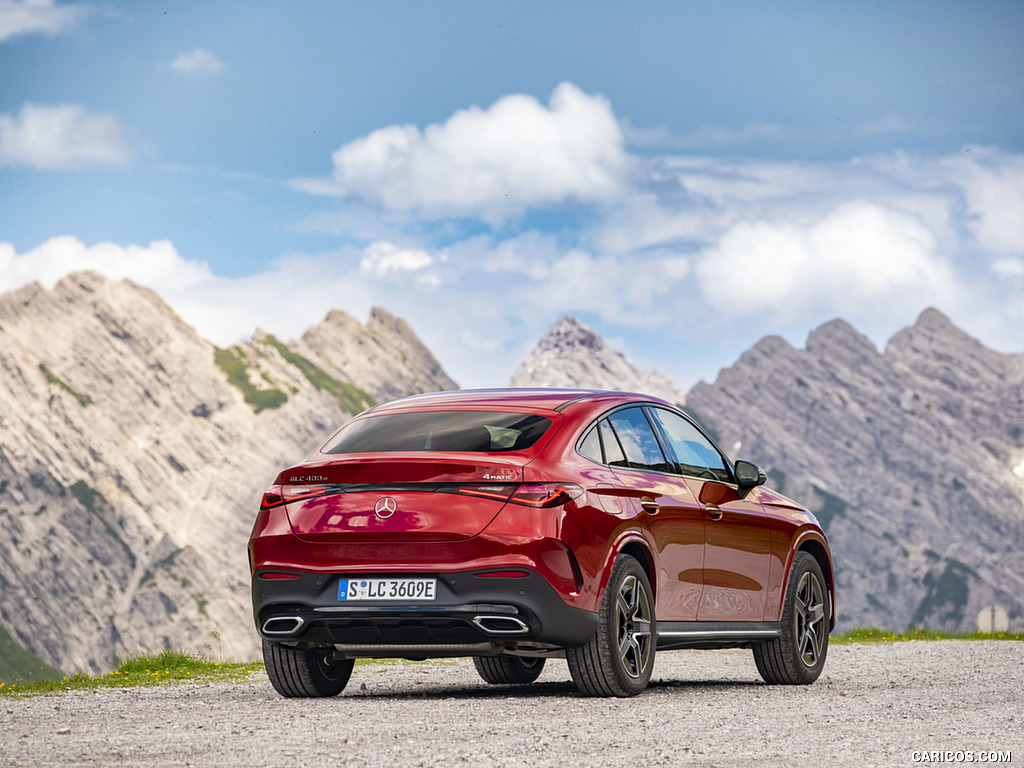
[619, 658]
[305, 673]
[508, 670]
[797, 656]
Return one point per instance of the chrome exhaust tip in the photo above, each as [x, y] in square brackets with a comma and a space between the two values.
[501, 625]
[282, 626]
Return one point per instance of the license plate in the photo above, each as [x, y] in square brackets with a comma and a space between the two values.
[387, 589]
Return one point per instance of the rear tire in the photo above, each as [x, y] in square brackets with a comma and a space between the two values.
[619, 658]
[508, 670]
[797, 656]
[305, 673]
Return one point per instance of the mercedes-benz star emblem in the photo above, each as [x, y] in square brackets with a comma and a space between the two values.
[385, 507]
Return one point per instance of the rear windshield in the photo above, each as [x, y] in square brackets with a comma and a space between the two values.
[471, 431]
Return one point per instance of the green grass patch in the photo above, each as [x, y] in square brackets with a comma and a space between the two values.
[18, 666]
[875, 635]
[52, 378]
[230, 361]
[164, 668]
[96, 503]
[88, 496]
[831, 507]
[350, 398]
[947, 594]
[170, 668]
[201, 603]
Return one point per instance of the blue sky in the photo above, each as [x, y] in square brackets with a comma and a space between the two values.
[684, 177]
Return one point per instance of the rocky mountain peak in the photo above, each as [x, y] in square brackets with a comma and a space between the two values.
[384, 357]
[840, 335]
[569, 332]
[907, 458]
[339, 321]
[935, 334]
[573, 355]
[133, 454]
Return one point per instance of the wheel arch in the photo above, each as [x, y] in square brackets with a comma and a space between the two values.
[636, 547]
[639, 552]
[819, 551]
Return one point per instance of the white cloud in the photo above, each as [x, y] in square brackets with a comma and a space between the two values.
[861, 259]
[492, 162]
[758, 135]
[65, 136]
[540, 277]
[1008, 267]
[22, 17]
[158, 265]
[285, 298]
[382, 257]
[993, 183]
[197, 62]
[707, 136]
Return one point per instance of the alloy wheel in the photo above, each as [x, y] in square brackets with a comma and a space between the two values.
[810, 619]
[633, 626]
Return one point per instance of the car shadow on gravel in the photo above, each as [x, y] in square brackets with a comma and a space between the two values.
[541, 690]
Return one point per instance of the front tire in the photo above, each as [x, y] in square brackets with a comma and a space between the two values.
[305, 673]
[619, 658]
[797, 656]
[508, 670]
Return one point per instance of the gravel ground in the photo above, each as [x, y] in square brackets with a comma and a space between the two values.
[874, 706]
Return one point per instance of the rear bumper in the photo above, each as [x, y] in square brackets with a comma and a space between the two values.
[469, 609]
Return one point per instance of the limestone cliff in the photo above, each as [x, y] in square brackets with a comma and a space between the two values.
[572, 355]
[911, 458]
[132, 458]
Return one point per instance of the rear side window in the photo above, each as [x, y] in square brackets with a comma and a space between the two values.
[696, 455]
[467, 431]
[638, 440]
[591, 446]
[612, 450]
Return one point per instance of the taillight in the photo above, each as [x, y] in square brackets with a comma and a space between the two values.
[497, 492]
[272, 497]
[527, 494]
[545, 494]
[276, 495]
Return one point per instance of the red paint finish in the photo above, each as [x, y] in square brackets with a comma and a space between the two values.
[712, 553]
[737, 548]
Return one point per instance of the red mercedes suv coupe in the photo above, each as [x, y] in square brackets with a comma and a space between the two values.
[517, 525]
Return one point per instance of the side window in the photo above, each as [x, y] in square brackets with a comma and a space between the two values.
[591, 446]
[612, 451]
[638, 440]
[696, 456]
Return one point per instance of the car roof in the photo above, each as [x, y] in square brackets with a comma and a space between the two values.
[538, 398]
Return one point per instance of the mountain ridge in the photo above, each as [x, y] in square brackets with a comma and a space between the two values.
[892, 449]
[901, 453]
[133, 453]
[573, 355]
[132, 457]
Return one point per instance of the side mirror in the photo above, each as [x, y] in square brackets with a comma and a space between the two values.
[749, 476]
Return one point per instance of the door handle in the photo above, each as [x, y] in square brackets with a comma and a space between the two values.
[649, 505]
[714, 512]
